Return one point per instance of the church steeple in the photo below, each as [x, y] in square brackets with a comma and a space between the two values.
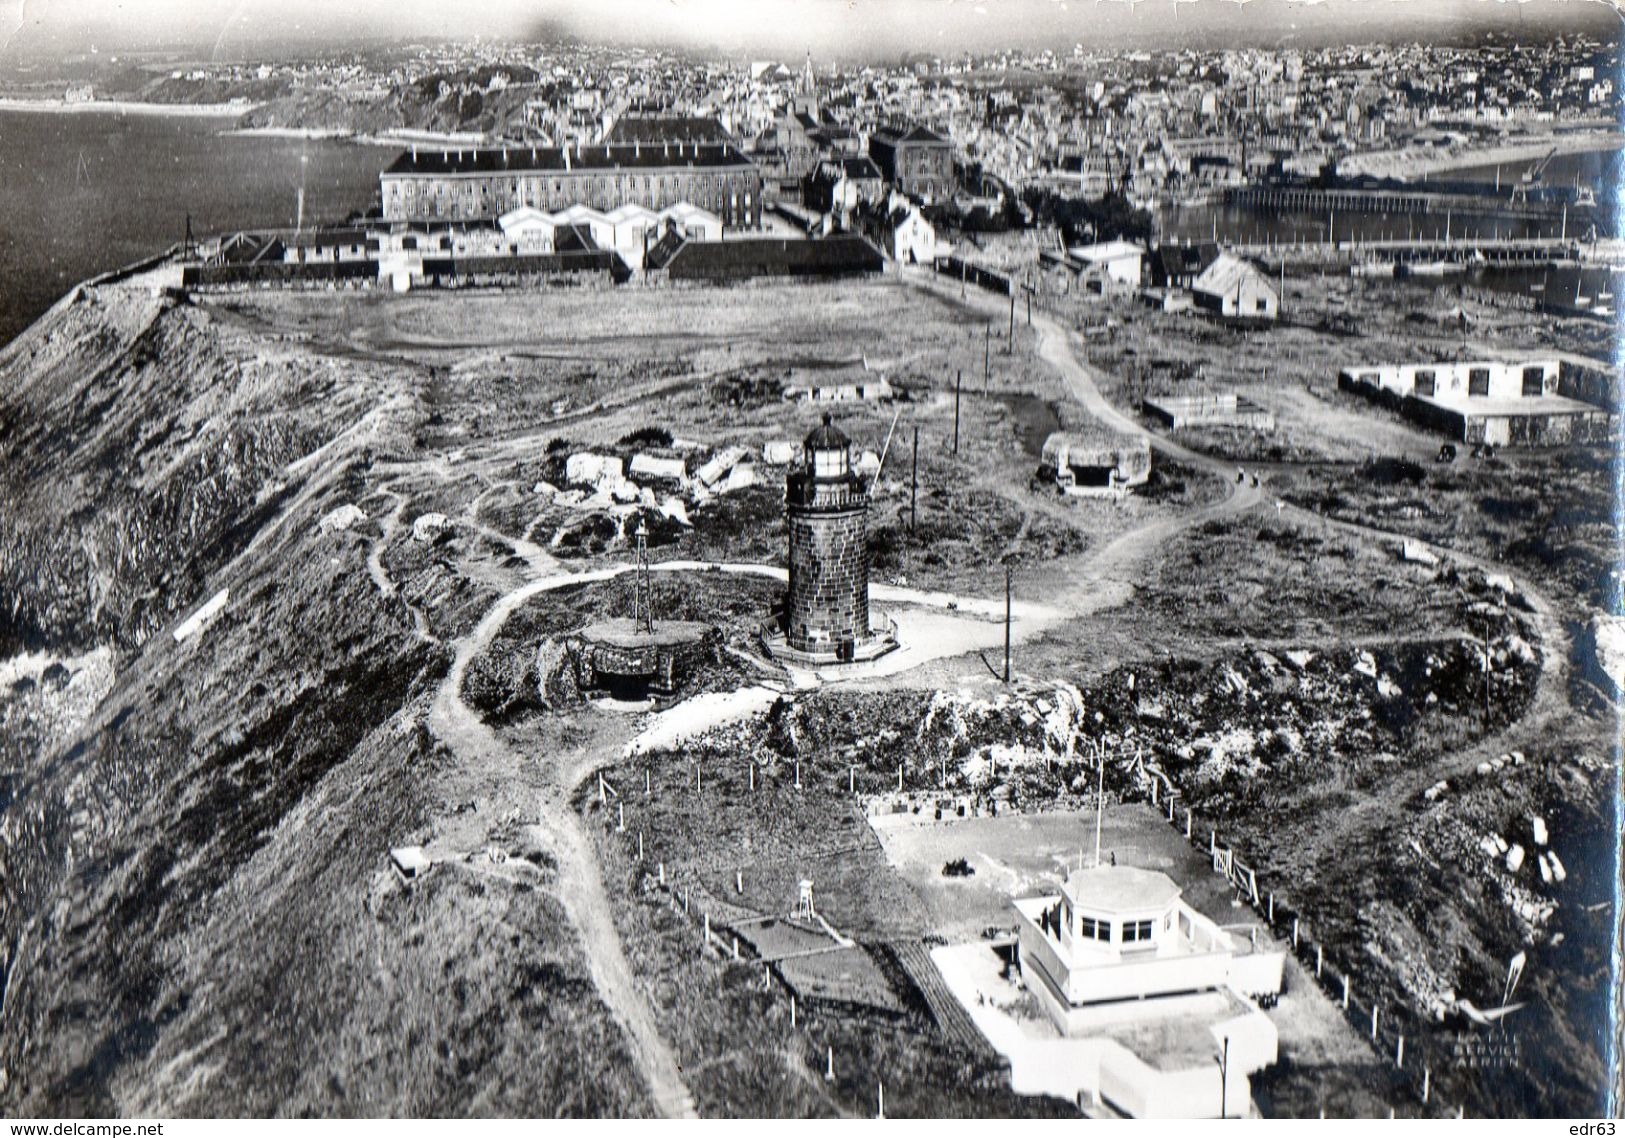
[807, 99]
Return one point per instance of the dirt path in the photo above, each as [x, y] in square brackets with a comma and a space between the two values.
[580, 884]
[1549, 706]
[1120, 560]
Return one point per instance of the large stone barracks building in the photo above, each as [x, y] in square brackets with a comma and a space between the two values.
[916, 161]
[426, 185]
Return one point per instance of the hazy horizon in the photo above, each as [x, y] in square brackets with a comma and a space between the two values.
[874, 28]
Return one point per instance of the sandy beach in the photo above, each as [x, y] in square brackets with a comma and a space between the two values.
[1407, 165]
[290, 132]
[100, 106]
[395, 139]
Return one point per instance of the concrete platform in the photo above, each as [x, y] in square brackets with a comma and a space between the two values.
[616, 653]
[1150, 1059]
[622, 633]
[882, 639]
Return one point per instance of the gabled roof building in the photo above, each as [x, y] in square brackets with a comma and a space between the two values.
[1236, 289]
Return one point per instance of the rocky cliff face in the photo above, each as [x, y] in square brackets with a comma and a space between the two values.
[196, 909]
[486, 99]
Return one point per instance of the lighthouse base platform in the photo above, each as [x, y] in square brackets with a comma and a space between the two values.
[882, 639]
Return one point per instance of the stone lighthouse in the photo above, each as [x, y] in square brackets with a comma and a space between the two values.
[826, 612]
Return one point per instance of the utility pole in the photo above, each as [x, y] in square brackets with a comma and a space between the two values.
[914, 485]
[1224, 1076]
[987, 354]
[958, 375]
[1100, 799]
[1007, 573]
[642, 587]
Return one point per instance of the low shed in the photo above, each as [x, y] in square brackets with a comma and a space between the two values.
[741, 259]
[1226, 409]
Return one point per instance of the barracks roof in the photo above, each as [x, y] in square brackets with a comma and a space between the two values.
[666, 128]
[918, 135]
[551, 159]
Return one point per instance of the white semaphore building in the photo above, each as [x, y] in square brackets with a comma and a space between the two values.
[1118, 946]
[1121, 933]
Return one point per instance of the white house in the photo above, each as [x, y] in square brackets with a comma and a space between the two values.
[1121, 261]
[530, 229]
[1235, 288]
[628, 229]
[901, 231]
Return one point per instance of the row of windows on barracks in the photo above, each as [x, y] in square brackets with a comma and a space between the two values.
[734, 195]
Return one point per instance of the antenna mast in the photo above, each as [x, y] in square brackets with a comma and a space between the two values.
[643, 618]
[299, 222]
[1100, 800]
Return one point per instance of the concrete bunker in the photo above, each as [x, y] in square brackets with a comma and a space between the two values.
[1094, 462]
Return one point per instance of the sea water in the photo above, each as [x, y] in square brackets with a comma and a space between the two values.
[87, 192]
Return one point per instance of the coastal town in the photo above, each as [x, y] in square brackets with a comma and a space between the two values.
[1163, 125]
[1071, 581]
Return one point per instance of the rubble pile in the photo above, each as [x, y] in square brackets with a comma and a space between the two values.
[1223, 733]
[1262, 715]
[599, 492]
[1514, 856]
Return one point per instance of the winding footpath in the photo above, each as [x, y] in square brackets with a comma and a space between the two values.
[1120, 560]
[1114, 569]
[579, 885]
